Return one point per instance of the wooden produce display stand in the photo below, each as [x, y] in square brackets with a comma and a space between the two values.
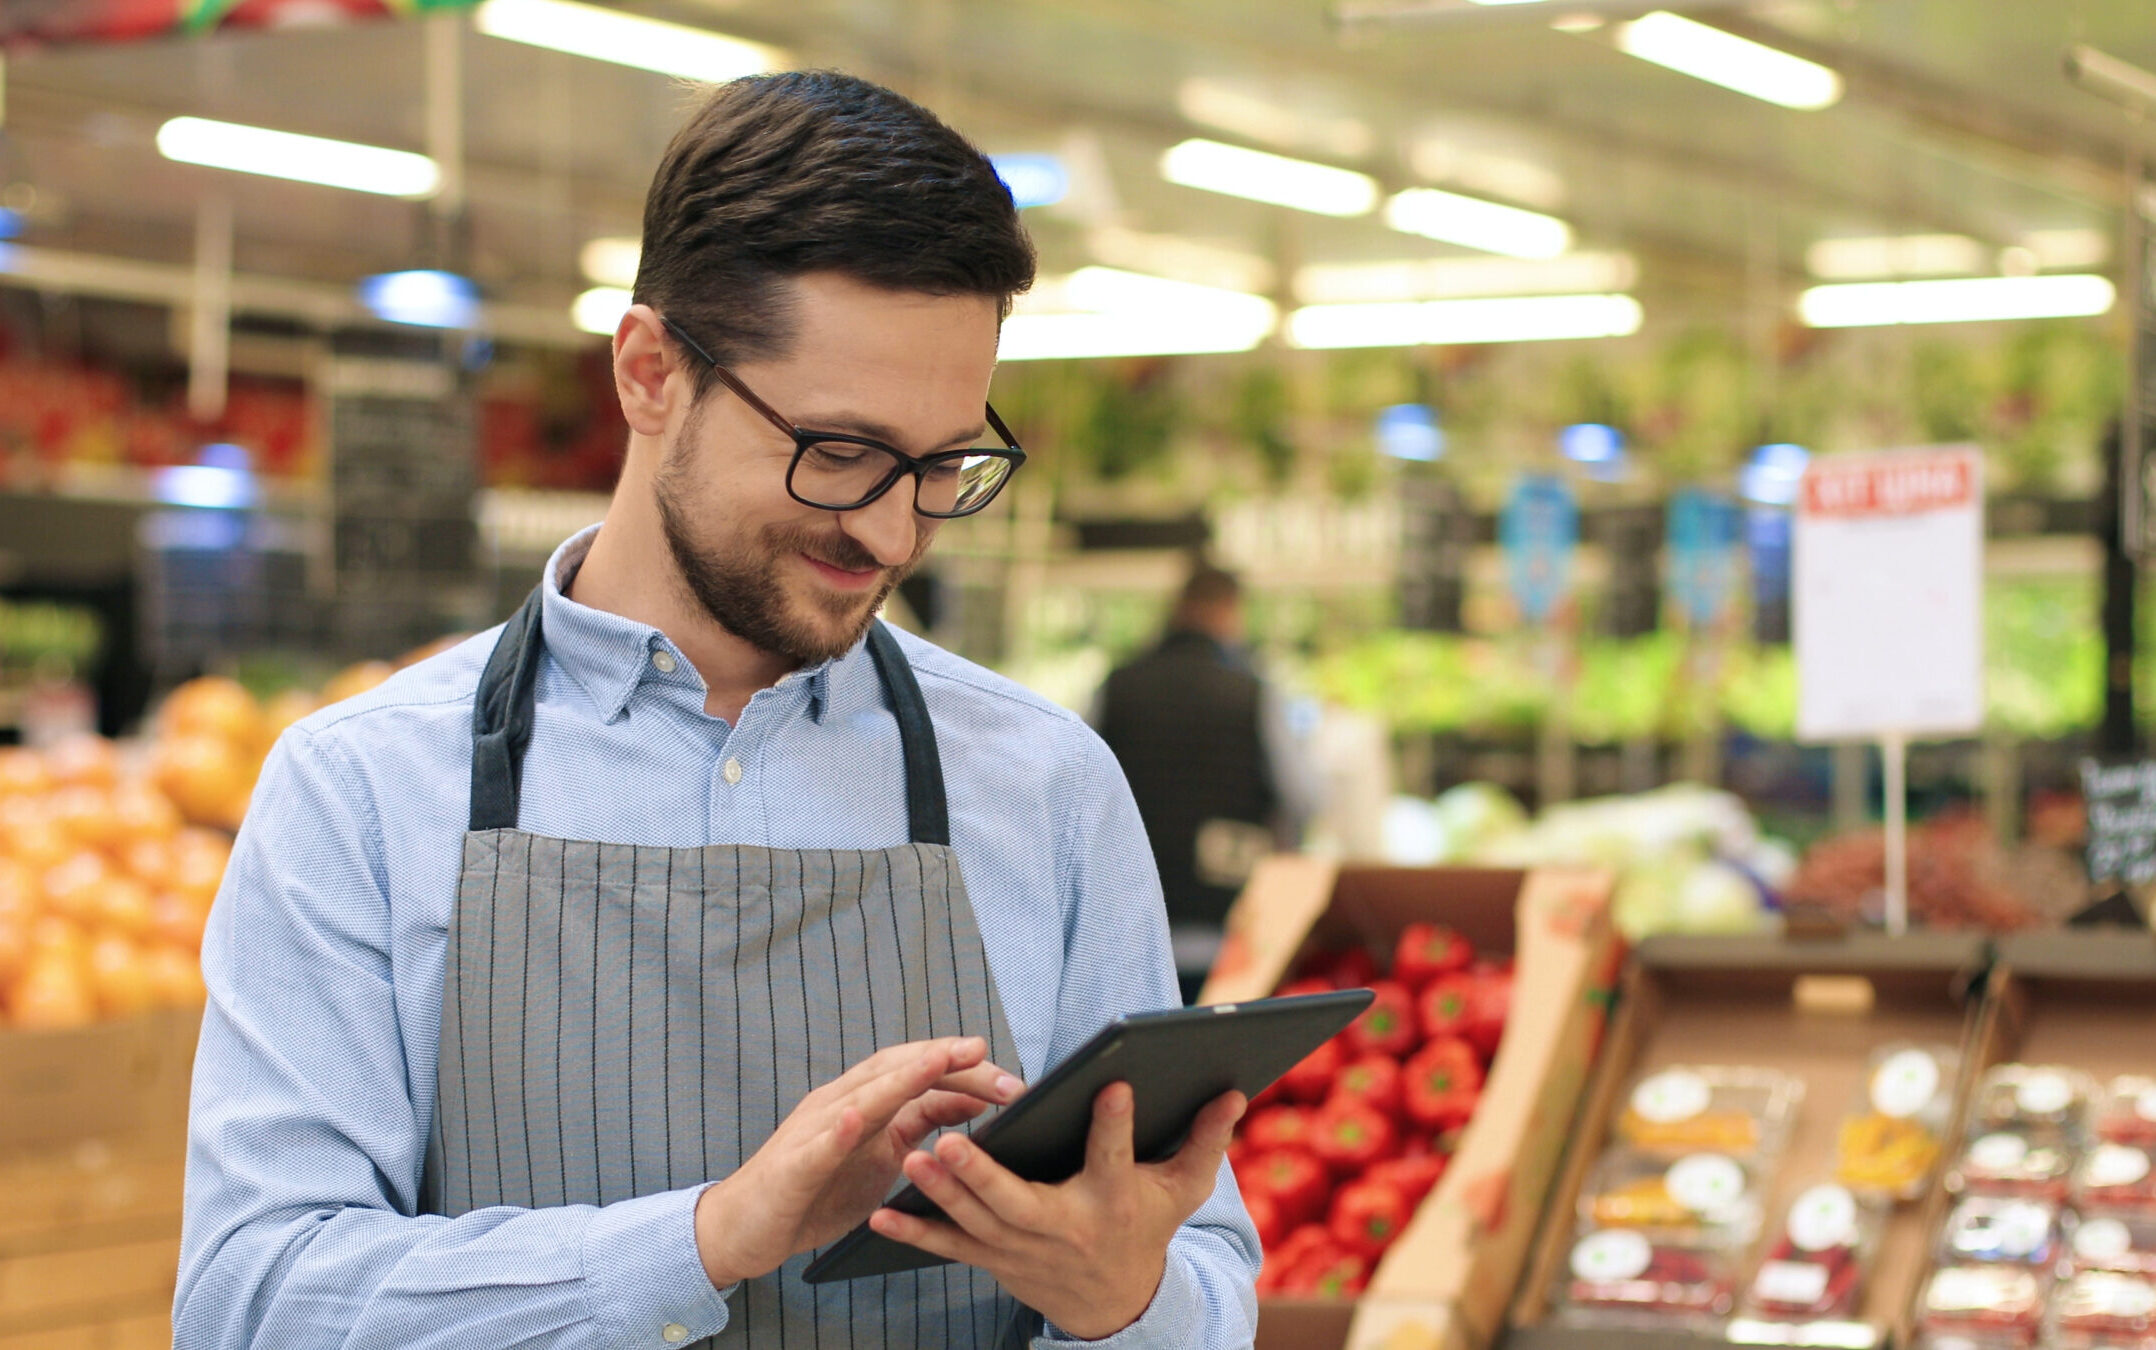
[92, 1155]
[1813, 1010]
[1443, 1283]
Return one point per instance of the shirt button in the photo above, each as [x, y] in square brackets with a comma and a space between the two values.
[732, 770]
[673, 1332]
[664, 660]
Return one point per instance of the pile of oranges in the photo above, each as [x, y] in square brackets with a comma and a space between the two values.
[211, 735]
[104, 889]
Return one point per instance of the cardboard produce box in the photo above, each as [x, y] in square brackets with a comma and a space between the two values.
[1815, 1010]
[2082, 1000]
[106, 1080]
[1443, 1283]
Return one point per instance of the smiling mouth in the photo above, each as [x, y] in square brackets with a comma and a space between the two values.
[848, 577]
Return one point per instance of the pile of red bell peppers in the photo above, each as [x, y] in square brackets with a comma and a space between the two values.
[1333, 1159]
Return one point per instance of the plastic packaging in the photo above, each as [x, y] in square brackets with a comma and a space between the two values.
[2004, 1302]
[1739, 1111]
[2030, 1097]
[2104, 1307]
[2001, 1230]
[1622, 1277]
[2016, 1162]
[1700, 1197]
[1814, 1269]
[2126, 1113]
[2117, 1177]
[2122, 1242]
[1893, 1134]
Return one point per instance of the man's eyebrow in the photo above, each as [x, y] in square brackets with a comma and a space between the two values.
[877, 431]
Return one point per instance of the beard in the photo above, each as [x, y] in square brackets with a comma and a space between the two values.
[740, 584]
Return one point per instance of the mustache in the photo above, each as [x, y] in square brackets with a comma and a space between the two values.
[835, 550]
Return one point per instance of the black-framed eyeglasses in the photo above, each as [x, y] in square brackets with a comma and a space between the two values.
[833, 471]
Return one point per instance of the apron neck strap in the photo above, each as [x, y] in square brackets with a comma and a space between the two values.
[502, 727]
[927, 812]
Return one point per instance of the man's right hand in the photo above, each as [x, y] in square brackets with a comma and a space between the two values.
[832, 1162]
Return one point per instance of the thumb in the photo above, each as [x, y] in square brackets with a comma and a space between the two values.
[1198, 1160]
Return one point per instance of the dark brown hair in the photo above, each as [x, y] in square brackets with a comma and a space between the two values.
[774, 176]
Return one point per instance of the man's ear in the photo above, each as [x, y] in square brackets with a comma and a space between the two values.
[644, 362]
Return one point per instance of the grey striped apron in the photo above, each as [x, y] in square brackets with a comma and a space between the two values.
[620, 1020]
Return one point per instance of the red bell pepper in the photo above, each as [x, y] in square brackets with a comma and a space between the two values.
[1374, 1080]
[1328, 1272]
[1312, 1079]
[1427, 950]
[1443, 1084]
[1387, 1026]
[1280, 1262]
[1264, 1214]
[1297, 1183]
[1276, 1127]
[1367, 1215]
[1413, 1176]
[1350, 1135]
[1443, 1005]
[1347, 968]
[1490, 1006]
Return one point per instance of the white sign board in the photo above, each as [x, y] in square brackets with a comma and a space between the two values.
[1887, 594]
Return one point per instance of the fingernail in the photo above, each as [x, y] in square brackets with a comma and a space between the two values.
[1008, 1087]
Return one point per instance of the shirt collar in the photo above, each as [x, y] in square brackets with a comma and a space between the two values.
[609, 656]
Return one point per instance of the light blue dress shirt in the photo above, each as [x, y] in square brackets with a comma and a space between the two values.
[314, 1084]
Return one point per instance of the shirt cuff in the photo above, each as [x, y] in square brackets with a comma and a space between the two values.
[645, 1280]
[1173, 1319]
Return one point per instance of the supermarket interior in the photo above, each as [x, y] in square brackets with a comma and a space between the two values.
[1618, 526]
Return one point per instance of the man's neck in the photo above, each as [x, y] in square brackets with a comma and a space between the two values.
[630, 572]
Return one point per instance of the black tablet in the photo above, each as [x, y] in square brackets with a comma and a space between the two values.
[1175, 1062]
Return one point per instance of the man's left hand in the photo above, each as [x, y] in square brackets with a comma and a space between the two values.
[1086, 1253]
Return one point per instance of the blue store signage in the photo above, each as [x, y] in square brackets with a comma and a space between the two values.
[1538, 531]
[1702, 539]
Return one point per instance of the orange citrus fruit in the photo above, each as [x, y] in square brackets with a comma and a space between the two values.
[212, 706]
[83, 759]
[54, 993]
[175, 976]
[356, 679]
[118, 979]
[202, 774]
[22, 772]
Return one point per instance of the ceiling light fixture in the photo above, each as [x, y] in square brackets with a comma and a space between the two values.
[625, 39]
[1261, 177]
[611, 261]
[1122, 313]
[1226, 108]
[1461, 278]
[302, 159]
[1736, 63]
[1473, 223]
[599, 310]
[1967, 300]
[1874, 258]
[1172, 255]
[1537, 318]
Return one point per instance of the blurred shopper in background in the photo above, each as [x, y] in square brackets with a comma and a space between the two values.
[1219, 779]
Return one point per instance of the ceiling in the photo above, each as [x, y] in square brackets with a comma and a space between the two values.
[1957, 118]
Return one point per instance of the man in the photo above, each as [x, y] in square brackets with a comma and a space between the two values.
[469, 1078]
[1205, 744]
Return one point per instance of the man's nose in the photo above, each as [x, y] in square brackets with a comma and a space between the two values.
[886, 527]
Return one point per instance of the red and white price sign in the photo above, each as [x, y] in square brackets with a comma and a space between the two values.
[1887, 594]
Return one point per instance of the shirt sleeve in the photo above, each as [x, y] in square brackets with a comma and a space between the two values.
[1116, 961]
[305, 1142]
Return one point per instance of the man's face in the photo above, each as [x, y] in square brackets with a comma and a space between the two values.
[908, 369]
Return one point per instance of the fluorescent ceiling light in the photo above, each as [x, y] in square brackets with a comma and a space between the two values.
[2069, 248]
[303, 159]
[1262, 177]
[625, 39]
[610, 261]
[1730, 61]
[1904, 255]
[1444, 156]
[599, 310]
[1474, 223]
[1217, 105]
[1128, 314]
[1172, 255]
[1537, 318]
[1460, 278]
[1969, 300]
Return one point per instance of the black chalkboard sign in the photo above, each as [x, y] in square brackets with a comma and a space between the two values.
[2121, 801]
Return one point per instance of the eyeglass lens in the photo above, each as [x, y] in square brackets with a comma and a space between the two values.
[840, 475]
